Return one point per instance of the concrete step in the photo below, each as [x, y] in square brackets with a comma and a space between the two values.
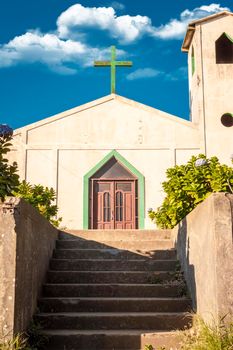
[109, 277]
[119, 320]
[110, 339]
[112, 264]
[135, 246]
[111, 290]
[116, 235]
[114, 304]
[113, 253]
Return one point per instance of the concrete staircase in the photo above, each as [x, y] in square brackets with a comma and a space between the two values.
[113, 290]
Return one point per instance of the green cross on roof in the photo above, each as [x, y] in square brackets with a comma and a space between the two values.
[113, 63]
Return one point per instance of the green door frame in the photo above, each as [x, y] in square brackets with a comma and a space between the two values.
[134, 171]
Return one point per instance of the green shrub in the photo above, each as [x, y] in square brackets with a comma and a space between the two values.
[41, 198]
[9, 179]
[188, 185]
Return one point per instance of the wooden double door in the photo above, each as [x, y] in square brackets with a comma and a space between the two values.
[113, 204]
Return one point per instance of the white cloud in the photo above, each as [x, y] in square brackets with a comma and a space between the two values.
[78, 16]
[124, 28]
[179, 74]
[50, 50]
[117, 5]
[175, 28]
[143, 73]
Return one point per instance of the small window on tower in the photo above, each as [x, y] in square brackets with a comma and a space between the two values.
[193, 61]
[224, 49]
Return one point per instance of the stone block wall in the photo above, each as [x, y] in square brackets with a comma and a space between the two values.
[27, 241]
[204, 242]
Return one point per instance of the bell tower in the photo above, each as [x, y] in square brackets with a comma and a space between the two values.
[209, 44]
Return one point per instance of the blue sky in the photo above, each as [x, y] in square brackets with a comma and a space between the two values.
[47, 49]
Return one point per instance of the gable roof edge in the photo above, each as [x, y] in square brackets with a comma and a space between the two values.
[192, 26]
[98, 102]
[65, 114]
[155, 110]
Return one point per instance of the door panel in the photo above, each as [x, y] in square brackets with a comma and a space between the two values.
[113, 204]
[99, 207]
[128, 206]
[101, 204]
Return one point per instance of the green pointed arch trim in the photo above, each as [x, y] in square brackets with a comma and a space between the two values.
[193, 60]
[228, 36]
[134, 171]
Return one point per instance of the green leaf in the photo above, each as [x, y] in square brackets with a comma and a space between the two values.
[188, 185]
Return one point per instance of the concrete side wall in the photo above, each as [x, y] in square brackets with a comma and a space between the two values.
[26, 244]
[7, 268]
[205, 248]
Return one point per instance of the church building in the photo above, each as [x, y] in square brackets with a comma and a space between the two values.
[107, 159]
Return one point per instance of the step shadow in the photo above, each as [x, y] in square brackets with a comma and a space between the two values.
[116, 249]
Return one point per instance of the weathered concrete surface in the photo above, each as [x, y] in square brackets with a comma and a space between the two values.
[205, 248]
[210, 87]
[26, 244]
[7, 267]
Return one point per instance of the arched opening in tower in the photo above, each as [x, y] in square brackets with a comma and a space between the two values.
[224, 49]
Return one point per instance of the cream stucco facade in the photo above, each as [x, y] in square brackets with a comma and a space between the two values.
[211, 90]
[59, 151]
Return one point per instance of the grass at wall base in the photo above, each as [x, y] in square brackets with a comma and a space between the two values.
[188, 185]
[19, 342]
[204, 337]
[200, 337]
[33, 339]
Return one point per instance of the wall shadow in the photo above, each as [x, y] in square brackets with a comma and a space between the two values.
[182, 245]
